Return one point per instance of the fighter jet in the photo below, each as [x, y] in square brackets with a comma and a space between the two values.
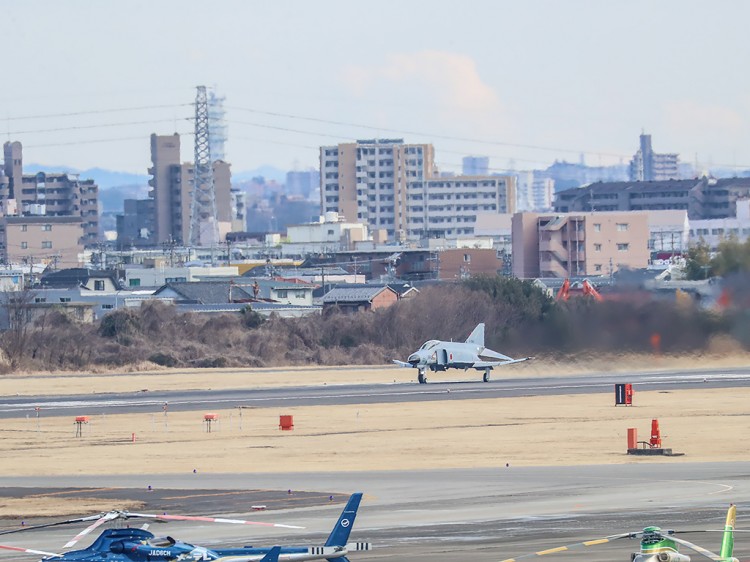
[437, 355]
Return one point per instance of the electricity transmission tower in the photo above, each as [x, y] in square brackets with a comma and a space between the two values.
[204, 227]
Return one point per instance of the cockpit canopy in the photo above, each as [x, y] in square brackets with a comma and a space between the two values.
[429, 344]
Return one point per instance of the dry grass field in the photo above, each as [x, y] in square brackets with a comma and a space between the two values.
[706, 425]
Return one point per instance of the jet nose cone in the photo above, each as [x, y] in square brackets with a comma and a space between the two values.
[414, 358]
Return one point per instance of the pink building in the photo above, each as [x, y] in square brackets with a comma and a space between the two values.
[578, 244]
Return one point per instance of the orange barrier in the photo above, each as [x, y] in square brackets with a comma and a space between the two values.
[655, 440]
[632, 438]
[286, 423]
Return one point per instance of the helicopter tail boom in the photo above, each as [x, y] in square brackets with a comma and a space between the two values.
[727, 540]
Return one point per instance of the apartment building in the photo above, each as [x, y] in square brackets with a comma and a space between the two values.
[475, 165]
[172, 185]
[574, 245]
[394, 186]
[703, 198]
[48, 194]
[303, 183]
[715, 231]
[37, 239]
[534, 191]
[462, 263]
[647, 165]
[136, 226]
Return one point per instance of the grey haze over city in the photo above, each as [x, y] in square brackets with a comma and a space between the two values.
[525, 83]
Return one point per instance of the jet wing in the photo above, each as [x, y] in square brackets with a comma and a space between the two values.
[485, 364]
[494, 355]
[402, 363]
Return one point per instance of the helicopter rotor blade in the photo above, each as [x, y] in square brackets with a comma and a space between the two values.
[100, 521]
[698, 549]
[29, 550]
[592, 542]
[165, 517]
[55, 524]
[102, 518]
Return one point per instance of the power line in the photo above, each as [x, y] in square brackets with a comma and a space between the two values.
[289, 130]
[96, 111]
[98, 126]
[277, 142]
[317, 134]
[423, 134]
[284, 129]
[93, 141]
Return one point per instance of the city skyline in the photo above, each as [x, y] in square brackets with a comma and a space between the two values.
[522, 83]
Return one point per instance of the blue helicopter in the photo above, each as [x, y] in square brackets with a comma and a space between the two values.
[140, 545]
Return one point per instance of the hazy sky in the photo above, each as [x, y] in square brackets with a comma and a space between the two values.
[524, 82]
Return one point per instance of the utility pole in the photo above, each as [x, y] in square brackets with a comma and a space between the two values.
[169, 246]
[30, 259]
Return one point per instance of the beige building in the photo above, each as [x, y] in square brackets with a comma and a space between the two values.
[390, 185]
[47, 194]
[172, 184]
[578, 244]
[462, 263]
[55, 240]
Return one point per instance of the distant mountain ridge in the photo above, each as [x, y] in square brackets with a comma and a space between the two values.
[107, 179]
[268, 172]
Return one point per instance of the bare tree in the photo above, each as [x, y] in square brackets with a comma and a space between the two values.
[16, 306]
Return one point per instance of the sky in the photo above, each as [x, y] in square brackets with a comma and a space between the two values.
[525, 82]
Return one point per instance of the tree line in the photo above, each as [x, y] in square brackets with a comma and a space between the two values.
[521, 320]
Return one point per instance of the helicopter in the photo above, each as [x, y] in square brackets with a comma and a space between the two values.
[658, 545]
[140, 545]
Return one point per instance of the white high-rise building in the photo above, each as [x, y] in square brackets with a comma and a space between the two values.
[476, 165]
[647, 165]
[396, 187]
[535, 192]
[217, 127]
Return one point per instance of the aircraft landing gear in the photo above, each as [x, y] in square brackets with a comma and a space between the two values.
[486, 376]
[421, 377]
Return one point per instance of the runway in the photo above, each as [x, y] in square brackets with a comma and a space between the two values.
[486, 514]
[442, 515]
[458, 388]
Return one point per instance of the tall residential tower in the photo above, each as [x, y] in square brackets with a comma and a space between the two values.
[394, 186]
[647, 165]
[172, 185]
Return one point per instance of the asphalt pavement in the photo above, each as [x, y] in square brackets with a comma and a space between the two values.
[441, 515]
[461, 387]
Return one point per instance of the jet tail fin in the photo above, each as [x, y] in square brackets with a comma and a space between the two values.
[477, 336]
[272, 555]
[727, 541]
[340, 534]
